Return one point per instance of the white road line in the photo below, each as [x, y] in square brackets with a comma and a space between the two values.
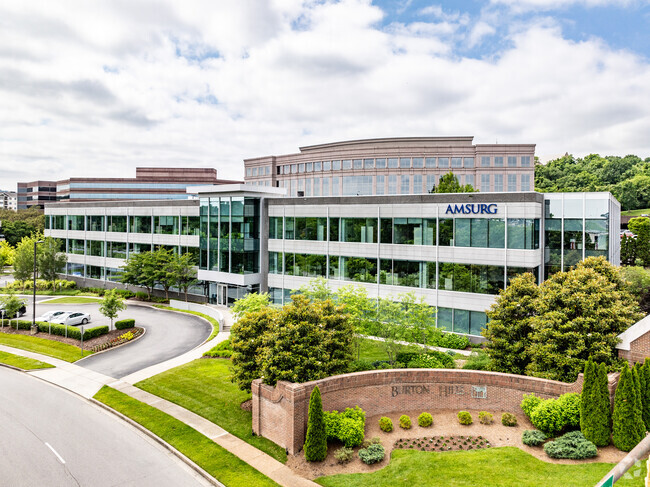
[54, 451]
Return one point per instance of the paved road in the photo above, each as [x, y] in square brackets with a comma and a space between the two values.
[43, 426]
[167, 336]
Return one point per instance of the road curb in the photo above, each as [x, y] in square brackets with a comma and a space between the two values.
[144, 331]
[160, 441]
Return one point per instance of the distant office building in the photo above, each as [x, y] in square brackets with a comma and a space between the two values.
[392, 166]
[150, 183]
[8, 200]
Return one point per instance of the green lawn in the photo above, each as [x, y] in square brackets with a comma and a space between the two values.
[217, 461]
[22, 362]
[73, 300]
[52, 348]
[645, 211]
[373, 350]
[213, 322]
[204, 387]
[503, 467]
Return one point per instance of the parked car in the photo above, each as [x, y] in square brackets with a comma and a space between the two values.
[50, 315]
[72, 319]
[21, 311]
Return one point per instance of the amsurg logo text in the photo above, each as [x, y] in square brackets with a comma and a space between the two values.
[472, 209]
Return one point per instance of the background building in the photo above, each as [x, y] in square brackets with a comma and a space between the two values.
[9, 200]
[392, 166]
[35, 193]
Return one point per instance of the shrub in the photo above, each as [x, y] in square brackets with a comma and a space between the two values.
[124, 293]
[627, 419]
[343, 455]
[570, 406]
[425, 419]
[548, 417]
[347, 426]
[573, 445]
[373, 454]
[95, 332]
[450, 340]
[385, 424]
[332, 421]
[124, 324]
[485, 418]
[508, 419]
[533, 437]
[424, 361]
[375, 440]
[60, 330]
[465, 418]
[142, 296]
[360, 366]
[405, 422]
[222, 349]
[529, 403]
[351, 432]
[477, 361]
[316, 440]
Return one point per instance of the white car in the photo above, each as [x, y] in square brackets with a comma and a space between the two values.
[50, 315]
[71, 319]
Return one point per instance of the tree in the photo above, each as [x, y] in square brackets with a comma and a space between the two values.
[185, 272]
[628, 250]
[317, 289]
[165, 269]
[11, 304]
[589, 383]
[14, 232]
[645, 394]
[316, 440]
[509, 329]
[627, 419]
[6, 254]
[640, 226]
[419, 319]
[639, 400]
[51, 261]
[250, 303]
[111, 305]
[638, 280]
[140, 270]
[595, 408]
[449, 184]
[24, 259]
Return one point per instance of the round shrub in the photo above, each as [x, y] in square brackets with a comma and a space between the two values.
[373, 454]
[425, 419]
[385, 424]
[548, 417]
[485, 418]
[573, 445]
[465, 418]
[351, 432]
[529, 403]
[508, 419]
[405, 422]
[343, 455]
[533, 437]
[570, 406]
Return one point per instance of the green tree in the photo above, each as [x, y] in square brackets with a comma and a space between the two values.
[166, 269]
[6, 254]
[316, 440]
[112, 303]
[628, 250]
[250, 303]
[24, 259]
[51, 261]
[510, 326]
[361, 310]
[586, 412]
[14, 232]
[185, 271]
[140, 270]
[11, 304]
[449, 184]
[639, 399]
[595, 408]
[641, 228]
[317, 289]
[638, 280]
[645, 394]
[419, 319]
[627, 419]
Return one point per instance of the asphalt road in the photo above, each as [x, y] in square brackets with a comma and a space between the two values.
[167, 336]
[53, 438]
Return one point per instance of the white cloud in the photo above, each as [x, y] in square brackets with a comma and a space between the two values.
[95, 89]
[526, 5]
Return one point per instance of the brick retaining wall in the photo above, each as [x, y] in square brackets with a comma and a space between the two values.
[639, 350]
[280, 412]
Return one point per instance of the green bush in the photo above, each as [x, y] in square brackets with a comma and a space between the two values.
[124, 293]
[570, 406]
[405, 422]
[425, 419]
[477, 361]
[424, 361]
[573, 446]
[508, 419]
[124, 324]
[95, 332]
[485, 418]
[316, 440]
[529, 403]
[385, 424]
[373, 454]
[465, 418]
[347, 426]
[360, 365]
[451, 340]
[142, 296]
[343, 454]
[533, 437]
[60, 330]
[439, 360]
[548, 417]
[627, 419]
[332, 421]
[222, 349]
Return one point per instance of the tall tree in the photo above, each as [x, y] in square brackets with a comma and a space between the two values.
[185, 272]
[316, 440]
[449, 184]
[51, 261]
[627, 419]
[24, 259]
[590, 379]
[641, 228]
[140, 270]
[645, 398]
[166, 270]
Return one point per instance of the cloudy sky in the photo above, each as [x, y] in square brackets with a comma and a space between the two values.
[96, 88]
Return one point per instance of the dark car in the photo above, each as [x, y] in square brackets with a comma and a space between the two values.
[21, 311]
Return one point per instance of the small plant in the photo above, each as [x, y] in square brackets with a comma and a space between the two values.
[533, 437]
[529, 403]
[572, 445]
[127, 336]
[385, 424]
[373, 454]
[508, 419]
[405, 422]
[425, 420]
[344, 454]
[465, 418]
[485, 418]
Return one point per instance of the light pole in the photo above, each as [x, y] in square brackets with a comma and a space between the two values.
[34, 327]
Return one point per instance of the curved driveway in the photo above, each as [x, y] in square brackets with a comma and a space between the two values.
[52, 437]
[167, 335]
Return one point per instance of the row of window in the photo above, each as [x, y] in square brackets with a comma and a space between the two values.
[162, 225]
[258, 171]
[397, 163]
[521, 233]
[118, 250]
[469, 278]
[568, 241]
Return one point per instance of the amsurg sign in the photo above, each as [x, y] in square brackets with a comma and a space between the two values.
[472, 209]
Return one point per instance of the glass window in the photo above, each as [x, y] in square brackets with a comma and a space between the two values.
[326, 186]
[166, 225]
[140, 224]
[311, 228]
[392, 184]
[357, 185]
[316, 190]
[597, 208]
[428, 231]
[95, 247]
[95, 223]
[525, 182]
[463, 232]
[380, 185]
[456, 162]
[327, 166]
[512, 183]
[573, 207]
[461, 321]
[572, 242]
[469, 179]
[58, 222]
[369, 163]
[275, 262]
[301, 168]
[405, 184]
[431, 182]
[386, 230]
[407, 231]
[512, 161]
[386, 272]
[334, 229]
[498, 182]
[289, 228]
[405, 162]
[116, 250]
[255, 172]
[191, 225]
[446, 232]
[525, 161]
[496, 233]
[380, 163]
[485, 161]
[248, 172]
[445, 318]
[479, 233]
[418, 162]
[336, 165]
[498, 161]
[335, 186]
[393, 163]
[513, 272]
[347, 164]
[417, 184]
[275, 227]
[596, 237]
[359, 269]
[468, 162]
[308, 187]
[294, 168]
[309, 265]
[477, 322]
[309, 167]
[485, 183]
[358, 164]
[76, 222]
[430, 162]
[523, 233]
[333, 270]
[407, 273]
[443, 162]
[363, 230]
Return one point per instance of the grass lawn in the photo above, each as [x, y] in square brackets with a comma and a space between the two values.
[503, 467]
[645, 211]
[217, 461]
[215, 323]
[73, 300]
[22, 362]
[204, 387]
[55, 349]
[373, 350]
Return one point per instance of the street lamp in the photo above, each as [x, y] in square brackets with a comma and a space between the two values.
[34, 328]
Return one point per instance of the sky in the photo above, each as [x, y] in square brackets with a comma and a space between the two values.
[94, 89]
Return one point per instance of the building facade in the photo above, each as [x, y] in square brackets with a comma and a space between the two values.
[8, 200]
[454, 250]
[35, 193]
[394, 166]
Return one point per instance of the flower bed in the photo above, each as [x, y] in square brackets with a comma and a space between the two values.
[129, 335]
[443, 443]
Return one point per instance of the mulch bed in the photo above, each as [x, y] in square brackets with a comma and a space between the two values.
[88, 344]
[247, 405]
[442, 443]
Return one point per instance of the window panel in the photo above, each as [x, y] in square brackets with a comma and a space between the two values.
[498, 183]
[512, 183]
[362, 230]
[393, 163]
[512, 161]
[446, 232]
[456, 162]
[430, 162]
[418, 162]
[380, 185]
[498, 161]
[359, 269]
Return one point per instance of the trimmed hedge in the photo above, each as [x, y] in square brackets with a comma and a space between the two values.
[124, 324]
[347, 426]
[552, 416]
